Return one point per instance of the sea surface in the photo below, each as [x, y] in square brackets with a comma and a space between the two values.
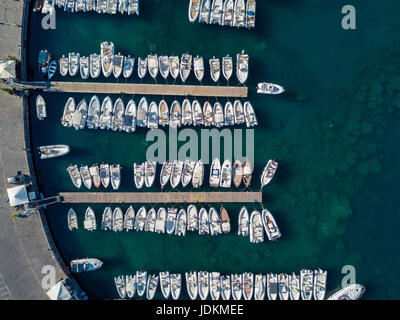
[334, 133]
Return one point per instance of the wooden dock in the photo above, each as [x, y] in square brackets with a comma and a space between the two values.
[148, 89]
[161, 197]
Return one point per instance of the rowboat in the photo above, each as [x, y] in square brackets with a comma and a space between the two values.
[52, 69]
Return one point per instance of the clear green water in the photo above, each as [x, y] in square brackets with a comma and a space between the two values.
[335, 135]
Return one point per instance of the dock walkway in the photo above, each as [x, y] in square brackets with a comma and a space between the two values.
[161, 197]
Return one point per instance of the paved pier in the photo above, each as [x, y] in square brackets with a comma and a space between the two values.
[148, 89]
[161, 197]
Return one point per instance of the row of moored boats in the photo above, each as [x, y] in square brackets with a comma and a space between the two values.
[230, 13]
[118, 117]
[96, 175]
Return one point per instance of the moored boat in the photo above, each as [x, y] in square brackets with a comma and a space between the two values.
[115, 173]
[215, 173]
[80, 115]
[187, 116]
[95, 65]
[72, 220]
[44, 62]
[227, 16]
[139, 174]
[107, 58]
[237, 172]
[165, 173]
[215, 285]
[239, 16]
[192, 218]
[198, 117]
[176, 284]
[306, 284]
[141, 116]
[229, 114]
[163, 113]
[236, 281]
[52, 69]
[272, 286]
[187, 172]
[150, 173]
[238, 112]
[283, 282]
[243, 222]
[165, 283]
[117, 220]
[176, 173]
[75, 175]
[84, 67]
[160, 220]
[53, 151]
[73, 63]
[174, 67]
[270, 226]
[256, 227]
[181, 221]
[350, 292]
[250, 116]
[242, 66]
[186, 66]
[204, 225]
[93, 117]
[106, 113]
[170, 222]
[215, 69]
[140, 219]
[191, 284]
[269, 88]
[86, 178]
[152, 65]
[69, 110]
[268, 172]
[152, 116]
[90, 220]
[294, 286]
[215, 222]
[198, 67]
[85, 265]
[198, 174]
[163, 66]
[225, 221]
[118, 64]
[129, 119]
[105, 174]
[194, 10]
[64, 65]
[129, 63]
[175, 115]
[95, 173]
[259, 287]
[208, 114]
[248, 285]
[226, 174]
[225, 287]
[247, 173]
[117, 120]
[203, 282]
[130, 285]
[205, 8]
[142, 67]
[141, 282]
[227, 67]
[216, 12]
[251, 14]
[107, 219]
[120, 286]
[218, 112]
[319, 290]
[150, 220]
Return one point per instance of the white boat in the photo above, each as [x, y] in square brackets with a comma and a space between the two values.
[237, 172]
[141, 117]
[150, 173]
[294, 286]
[53, 151]
[95, 173]
[192, 218]
[268, 172]
[130, 285]
[142, 67]
[215, 173]
[141, 281]
[247, 173]
[225, 287]
[198, 67]
[73, 63]
[133, 7]
[85, 265]
[215, 285]
[203, 283]
[237, 283]
[205, 9]
[191, 284]
[227, 67]
[256, 227]
[101, 6]
[187, 172]
[248, 285]
[181, 221]
[187, 116]
[64, 65]
[139, 174]
[152, 65]
[105, 174]
[75, 175]
[117, 120]
[160, 220]
[115, 174]
[106, 114]
[150, 220]
[86, 177]
[250, 116]
[259, 287]
[215, 69]
[176, 285]
[243, 222]
[175, 115]
[163, 65]
[194, 10]
[186, 66]
[176, 173]
[283, 281]
[320, 277]
[163, 113]
[306, 284]
[80, 115]
[165, 173]
[269, 88]
[107, 219]
[170, 222]
[216, 12]
[165, 284]
[227, 16]
[229, 114]
[350, 292]
[225, 220]
[93, 117]
[272, 286]
[174, 67]
[197, 113]
[112, 6]
[122, 6]
[140, 219]
[95, 65]
[226, 174]
[270, 226]
[72, 220]
[107, 58]
[251, 14]
[208, 114]
[118, 220]
[204, 225]
[129, 122]
[218, 112]
[69, 110]
[118, 65]
[215, 222]
[84, 67]
[198, 174]
[239, 16]
[238, 112]
[242, 66]
[129, 63]
[90, 220]
[152, 116]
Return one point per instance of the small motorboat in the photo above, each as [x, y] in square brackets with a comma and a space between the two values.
[243, 222]
[150, 220]
[141, 117]
[250, 116]
[149, 173]
[140, 220]
[69, 110]
[85, 265]
[197, 112]
[152, 283]
[129, 120]
[225, 287]
[306, 284]
[294, 286]
[204, 225]
[161, 218]
[194, 10]
[238, 112]
[198, 174]
[107, 219]
[152, 65]
[73, 65]
[226, 174]
[320, 277]
[107, 58]
[115, 174]
[90, 220]
[95, 173]
[181, 222]
[117, 220]
[208, 114]
[256, 227]
[64, 65]
[251, 14]
[176, 173]
[174, 67]
[187, 172]
[53, 151]
[227, 16]
[216, 12]
[227, 67]
[106, 114]
[215, 173]
[191, 284]
[186, 66]
[80, 115]
[118, 63]
[192, 218]
[247, 173]
[198, 67]
[93, 118]
[129, 219]
[165, 173]
[215, 222]
[268, 172]
[141, 282]
[129, 64]
[152, 116]
[133, 7]
[272, 286]
[170, 222]
[52, 69]
[218, 112]
[117, 119]
[175, 115]
[86, 177]
[163, 113]
[187, 116]
[237, 171]
[283, 285]
[75, 176]
[44, 62]
[229, 114]
[242, 66]
[95, 65]
[165, 284]
[142, 67]
[215, 285]
[72, 220]
[176, 285]
[205, 8]
[130, 285]
[239, 15]
[215, 69]
[84, 67]
[237, 284]
[269, 88]
[248, 285]
[139, 174]
[203, 283]
[270, 226]
[163, 65]
[350, 292]
[225, 221]
[105, 174]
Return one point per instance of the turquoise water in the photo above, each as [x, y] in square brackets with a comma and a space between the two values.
[334, 133]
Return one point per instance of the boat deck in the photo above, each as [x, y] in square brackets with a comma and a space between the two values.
[148, 89]
[161, 197]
